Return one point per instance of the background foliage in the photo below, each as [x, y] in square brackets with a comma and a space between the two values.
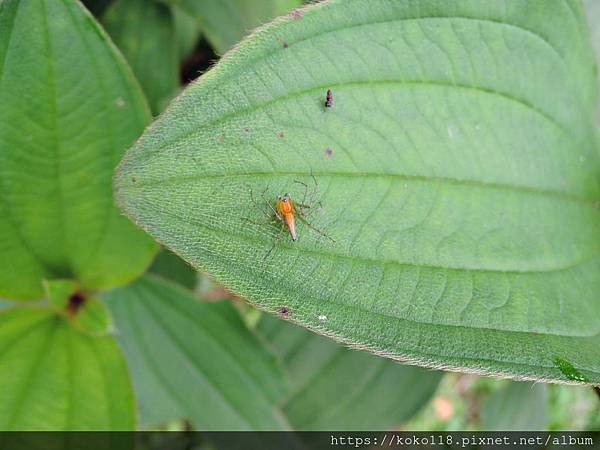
[103, 332]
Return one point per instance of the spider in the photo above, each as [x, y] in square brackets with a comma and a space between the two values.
[286, 210]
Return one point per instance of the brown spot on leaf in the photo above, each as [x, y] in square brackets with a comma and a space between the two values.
[284, 311]
[76, 301]
[328, 152]
[328, 98]
[281, 135]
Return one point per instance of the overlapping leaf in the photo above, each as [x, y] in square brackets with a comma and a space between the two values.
[194, 360]
[226, 22]
[457, 169]
[517, 406]
[145, 32]
[55, 378]
[336, 388]
[69, 108]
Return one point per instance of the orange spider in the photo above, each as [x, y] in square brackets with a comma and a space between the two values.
[286, 210]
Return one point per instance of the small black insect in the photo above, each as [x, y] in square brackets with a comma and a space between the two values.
[329, 99]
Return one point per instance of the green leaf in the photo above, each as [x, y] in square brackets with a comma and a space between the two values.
[187, 31]
[457, 169]
[172, 267]
[68, 109]
[516, 407]
[336, 388]
[144, 30]
[226, 22]
[194, 360]
[59, 292]
[55, 378]
[573, 408]
[94, 318]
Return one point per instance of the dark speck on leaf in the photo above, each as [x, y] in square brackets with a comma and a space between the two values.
[296, 14]
[283, 311]
[281, 135]
[247, 130]
[133, 179]
[328, 152]
[285, 45]
[329, 99]
[76, 300]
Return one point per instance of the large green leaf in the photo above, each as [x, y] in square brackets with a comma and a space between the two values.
[194, 360]
[335, 388]
[144, 30]
[55, 378]
[225, 22]
[458, 172]
[187, 31]
[69, 107]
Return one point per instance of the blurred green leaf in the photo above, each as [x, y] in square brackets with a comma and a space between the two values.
[144, 30]
[93, 317]
[592, 9]
[55, 378]
[194, 360]
[517, 406]
[458, 170]
[573, 408]
[170, 266]
[336, 388]
[59, 291]
[187, 30]
[226, 22]
[69, 108]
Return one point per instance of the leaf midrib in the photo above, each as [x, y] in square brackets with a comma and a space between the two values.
[107, 217]
[55, 145]
[201, 127]
[181, 179]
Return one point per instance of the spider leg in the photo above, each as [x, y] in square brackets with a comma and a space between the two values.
[269, 204]
[316, 230]
[275, 241]
[305, 189]
[311, 210]
[315, 192]
[256, 204]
